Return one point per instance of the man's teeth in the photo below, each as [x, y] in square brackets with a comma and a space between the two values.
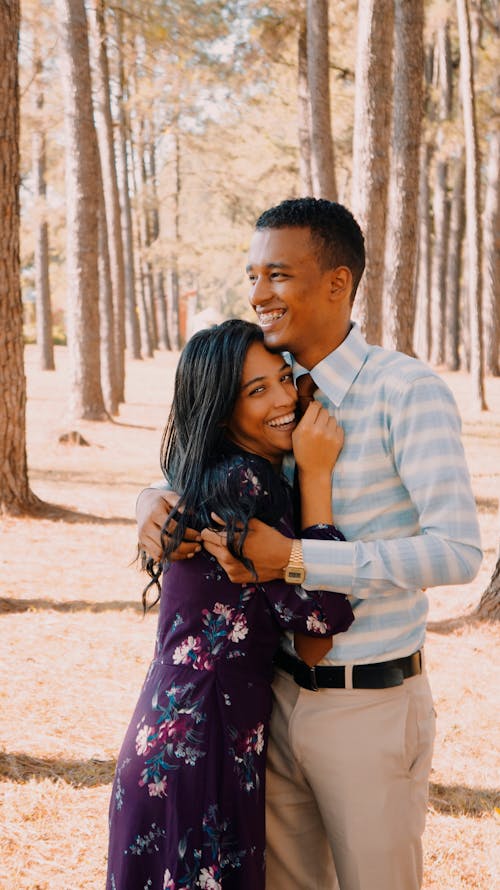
[282, 421]
[269, 317]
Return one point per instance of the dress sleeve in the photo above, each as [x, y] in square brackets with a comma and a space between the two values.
[312, 612]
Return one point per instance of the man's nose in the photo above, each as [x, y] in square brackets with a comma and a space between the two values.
[260, 292]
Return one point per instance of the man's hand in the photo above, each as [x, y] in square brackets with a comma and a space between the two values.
[151, 510]
[268, 549]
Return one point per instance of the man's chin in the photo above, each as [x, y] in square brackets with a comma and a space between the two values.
[273, 342]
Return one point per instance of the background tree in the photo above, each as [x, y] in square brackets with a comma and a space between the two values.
[44, 335]
[15, 493]
[82, 177]
[473, 223]
[318, 75]
[371, 143]
[402, 232]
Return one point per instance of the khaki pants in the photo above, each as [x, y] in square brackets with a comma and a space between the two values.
[347, 774]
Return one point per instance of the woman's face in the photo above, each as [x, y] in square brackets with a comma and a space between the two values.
[263, 418]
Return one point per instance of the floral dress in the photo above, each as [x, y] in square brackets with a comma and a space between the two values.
[187, 805]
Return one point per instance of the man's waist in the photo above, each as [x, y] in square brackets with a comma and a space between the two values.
[379, 675]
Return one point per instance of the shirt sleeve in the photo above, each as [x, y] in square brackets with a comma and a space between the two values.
[311, 612]
[424, 438]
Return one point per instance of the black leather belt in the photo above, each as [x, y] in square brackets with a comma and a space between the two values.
[364, 676]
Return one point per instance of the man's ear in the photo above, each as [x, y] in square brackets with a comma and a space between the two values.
[340, 283]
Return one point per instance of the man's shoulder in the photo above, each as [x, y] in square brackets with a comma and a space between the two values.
[399, 369]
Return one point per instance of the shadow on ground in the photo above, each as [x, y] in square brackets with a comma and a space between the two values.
[455, 800]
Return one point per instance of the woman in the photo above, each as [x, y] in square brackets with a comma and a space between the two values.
[187, 808]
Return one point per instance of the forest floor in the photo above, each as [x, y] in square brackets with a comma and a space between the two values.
[75, 647]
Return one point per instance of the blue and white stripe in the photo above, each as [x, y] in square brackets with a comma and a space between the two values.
[401, 496]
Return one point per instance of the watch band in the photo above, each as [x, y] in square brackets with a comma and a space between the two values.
[295, 572]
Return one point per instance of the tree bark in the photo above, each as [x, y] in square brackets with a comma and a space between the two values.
[104, 127]
[489, 604]
[473, 206]
[15, 493]
[133, 341]
[441, 205]
[44, 337]
[304, 112]
[318, 71]
[109, 365]
[371, 145]
[454, 268]
[491, 258]
[423, 283]
[401, 249]
[86, 399]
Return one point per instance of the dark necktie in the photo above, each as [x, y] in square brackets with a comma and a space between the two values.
[310, 649]
[306, 388]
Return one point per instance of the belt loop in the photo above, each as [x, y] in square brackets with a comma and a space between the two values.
[314, 682]
[348, 676]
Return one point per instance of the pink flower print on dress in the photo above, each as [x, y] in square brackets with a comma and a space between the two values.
[168, 881]
[314, 623]
[142, 740]
[158, 788]
[187, 650]
[208, 879]
[239, 630]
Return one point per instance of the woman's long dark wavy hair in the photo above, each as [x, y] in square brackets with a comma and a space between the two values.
[194, 443]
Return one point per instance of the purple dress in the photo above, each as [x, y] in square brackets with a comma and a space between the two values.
[187, 806]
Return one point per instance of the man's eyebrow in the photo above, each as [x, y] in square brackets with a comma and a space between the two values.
[269, 266]
[263, 377]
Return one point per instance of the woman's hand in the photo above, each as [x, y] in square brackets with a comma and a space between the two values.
[317, 441]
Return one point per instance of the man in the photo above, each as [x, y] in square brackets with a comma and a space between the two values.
[351, 740]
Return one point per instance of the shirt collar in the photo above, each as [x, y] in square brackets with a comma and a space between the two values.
[335, 374]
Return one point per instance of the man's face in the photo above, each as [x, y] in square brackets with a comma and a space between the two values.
[291, 294]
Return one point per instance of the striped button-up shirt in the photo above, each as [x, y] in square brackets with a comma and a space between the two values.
[401, 496]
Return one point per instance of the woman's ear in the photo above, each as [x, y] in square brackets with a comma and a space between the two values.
[341, 283]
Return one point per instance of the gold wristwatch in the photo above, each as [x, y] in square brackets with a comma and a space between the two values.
[295, 572]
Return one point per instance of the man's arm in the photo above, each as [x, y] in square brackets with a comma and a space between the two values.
[429, 457]
[151, 510]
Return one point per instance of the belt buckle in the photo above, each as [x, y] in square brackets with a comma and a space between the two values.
[312, 676]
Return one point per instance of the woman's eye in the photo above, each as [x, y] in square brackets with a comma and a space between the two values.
[256, 390]
[287, 378]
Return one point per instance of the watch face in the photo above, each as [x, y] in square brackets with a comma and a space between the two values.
[295, 576]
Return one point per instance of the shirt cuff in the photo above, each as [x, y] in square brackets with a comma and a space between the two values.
[329, 565]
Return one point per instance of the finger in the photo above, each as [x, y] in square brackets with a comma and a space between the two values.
[185, 551]
[213, 537]
[150, 545]
[190, 534]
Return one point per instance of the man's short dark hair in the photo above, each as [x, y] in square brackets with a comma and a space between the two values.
[335, 232]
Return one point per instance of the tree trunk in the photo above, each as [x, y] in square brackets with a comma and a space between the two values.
[133, 341]
[318, 72]
[473, 206]
[44, 337]
[172, 228]
[15, 493]
[421, 336]
[304, 112]
[491, 259]
[371, 143]
[401, 250]
[489, 604]
[441, 214]
[86, 400]
[104, 126]
[441, 206]
[109, 365]
[454, 268]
